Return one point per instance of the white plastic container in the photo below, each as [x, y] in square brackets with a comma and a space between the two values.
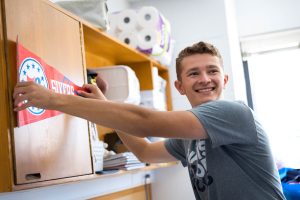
[123, 85]
[156, 98]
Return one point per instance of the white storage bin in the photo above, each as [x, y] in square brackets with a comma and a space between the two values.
[153, 99]
[123, 85]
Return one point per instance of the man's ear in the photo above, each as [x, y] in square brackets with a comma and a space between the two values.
[225, 80]
[179, 87]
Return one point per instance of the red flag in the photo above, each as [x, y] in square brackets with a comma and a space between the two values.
[32, 68]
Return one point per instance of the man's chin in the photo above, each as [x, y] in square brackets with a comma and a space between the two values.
[204, 100]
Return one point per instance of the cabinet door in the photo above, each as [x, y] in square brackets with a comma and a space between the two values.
[137, 193]
[57, 147]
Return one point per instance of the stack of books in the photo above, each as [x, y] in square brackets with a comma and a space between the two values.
[124, 161]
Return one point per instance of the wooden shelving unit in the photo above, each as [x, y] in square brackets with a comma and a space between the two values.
[57, 150]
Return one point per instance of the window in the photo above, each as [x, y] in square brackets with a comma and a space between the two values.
[274, 77]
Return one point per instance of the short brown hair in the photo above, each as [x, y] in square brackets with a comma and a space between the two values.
[198, 48]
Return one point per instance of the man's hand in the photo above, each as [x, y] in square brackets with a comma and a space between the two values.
[101, 83]
[27, 94]
[93, 91]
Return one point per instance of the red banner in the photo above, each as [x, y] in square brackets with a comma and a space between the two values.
[32, 68]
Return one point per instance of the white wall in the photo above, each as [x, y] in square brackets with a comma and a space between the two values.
[256, 16]
[171, 183]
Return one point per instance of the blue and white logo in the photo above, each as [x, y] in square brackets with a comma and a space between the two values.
[32, 70]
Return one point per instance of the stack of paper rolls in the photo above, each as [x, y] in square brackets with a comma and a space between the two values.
[146, 30]
[123, 25]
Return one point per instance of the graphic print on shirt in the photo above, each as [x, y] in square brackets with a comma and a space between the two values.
[197, 166]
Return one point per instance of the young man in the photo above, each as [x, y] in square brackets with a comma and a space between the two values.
[223, 145]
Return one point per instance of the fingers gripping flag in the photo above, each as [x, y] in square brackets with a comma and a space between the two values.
[32, 68]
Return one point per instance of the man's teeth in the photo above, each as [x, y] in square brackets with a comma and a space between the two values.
[205, 90]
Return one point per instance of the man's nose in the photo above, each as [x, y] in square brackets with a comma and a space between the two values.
[204, 78]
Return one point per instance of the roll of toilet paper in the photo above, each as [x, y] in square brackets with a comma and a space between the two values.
[129, 38]
[148, 38]
[126, 20]
[149, 17]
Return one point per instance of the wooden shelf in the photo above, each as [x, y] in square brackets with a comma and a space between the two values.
[103, 45]
[94, 176]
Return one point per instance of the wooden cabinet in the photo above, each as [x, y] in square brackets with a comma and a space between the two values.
[137, 193]
[57, 149]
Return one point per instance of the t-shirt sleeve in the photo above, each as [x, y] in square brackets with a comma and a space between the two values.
[227, 122]
[176, 148]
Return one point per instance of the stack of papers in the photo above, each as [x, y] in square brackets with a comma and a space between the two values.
[125, 161]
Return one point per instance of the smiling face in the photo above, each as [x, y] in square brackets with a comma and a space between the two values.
[201, 79]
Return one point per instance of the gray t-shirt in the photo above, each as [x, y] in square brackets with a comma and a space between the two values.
[235, 162]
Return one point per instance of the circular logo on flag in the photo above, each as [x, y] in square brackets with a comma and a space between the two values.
[32, 70]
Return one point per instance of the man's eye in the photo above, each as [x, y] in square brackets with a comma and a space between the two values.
[213, 71]
[193, 74]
